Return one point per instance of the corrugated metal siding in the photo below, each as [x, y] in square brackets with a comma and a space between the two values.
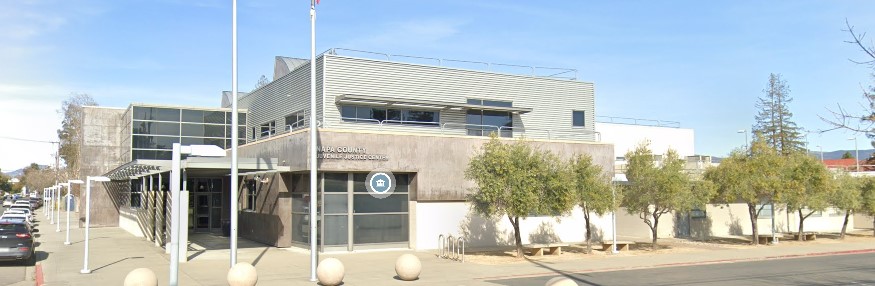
[552, 100]
[286, 95]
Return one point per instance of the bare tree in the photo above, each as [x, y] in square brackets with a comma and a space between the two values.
[70, 134]
[863, 121]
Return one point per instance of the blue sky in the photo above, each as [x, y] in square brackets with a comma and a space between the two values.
[702, 63]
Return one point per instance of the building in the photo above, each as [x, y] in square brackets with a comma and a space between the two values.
[420, 122]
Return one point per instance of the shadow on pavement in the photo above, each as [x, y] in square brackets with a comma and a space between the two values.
[117, 261]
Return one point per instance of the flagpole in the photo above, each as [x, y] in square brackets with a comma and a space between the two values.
[313, 163]
[234, 135]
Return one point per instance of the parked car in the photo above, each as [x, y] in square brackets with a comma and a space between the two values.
[29, 215]
[16, 242]
[38, 201]
[7, 202]
[20, 205]
[17, 216]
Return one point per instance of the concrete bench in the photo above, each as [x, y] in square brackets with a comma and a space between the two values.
[621, 245]
[808, 235]
[538, 249]
[767, 238]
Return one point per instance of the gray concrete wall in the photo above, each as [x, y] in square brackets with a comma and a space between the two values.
[101, 150]
[271, 220]
[439, 161]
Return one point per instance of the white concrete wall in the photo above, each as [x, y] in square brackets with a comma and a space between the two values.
[456, 219]
[128, 220]
[626, 137]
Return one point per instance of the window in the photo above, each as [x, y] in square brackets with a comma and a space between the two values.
[578, 119]
[698, 213]
[765, 211]
[135, 199]
[352, 113]
[484, 122]
[268, 129]
[251, 194]
[295, 121]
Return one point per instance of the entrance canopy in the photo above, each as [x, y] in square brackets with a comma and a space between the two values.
[194, 166]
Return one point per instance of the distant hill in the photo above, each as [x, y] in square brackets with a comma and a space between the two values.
[20, 172]
[864, 154]
[827, 155]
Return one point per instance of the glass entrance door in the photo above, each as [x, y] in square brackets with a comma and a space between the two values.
[202, 212]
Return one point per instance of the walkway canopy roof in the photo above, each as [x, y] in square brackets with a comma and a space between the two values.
[194, 166]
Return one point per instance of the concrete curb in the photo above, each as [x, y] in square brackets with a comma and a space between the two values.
[706, 262]
[38, 274]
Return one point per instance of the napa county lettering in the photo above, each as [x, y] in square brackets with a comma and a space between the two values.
[348, 153]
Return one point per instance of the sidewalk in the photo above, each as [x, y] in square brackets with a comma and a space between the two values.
[114, 253]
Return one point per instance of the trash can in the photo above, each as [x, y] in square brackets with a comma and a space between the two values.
[226, 227]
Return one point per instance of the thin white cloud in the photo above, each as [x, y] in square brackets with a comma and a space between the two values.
[413, 33]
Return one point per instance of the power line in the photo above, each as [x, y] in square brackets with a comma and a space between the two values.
[28, 140]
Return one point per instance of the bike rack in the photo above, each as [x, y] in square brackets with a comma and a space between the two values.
[452, 248]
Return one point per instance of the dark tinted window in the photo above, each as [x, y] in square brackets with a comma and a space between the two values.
[335, 182]
[578, 118]
[154, 142]
[196, 116]
[152, 155]
[217, 117]
[11, 228]
[155, 128]
[347, 111]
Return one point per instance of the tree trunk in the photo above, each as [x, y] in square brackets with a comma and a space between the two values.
[800, 236]
[845, 224]
[654, 229]
[752, 210]
[588, 233]
[515, 221]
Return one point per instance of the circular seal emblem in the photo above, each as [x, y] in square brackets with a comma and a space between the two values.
[380, 184]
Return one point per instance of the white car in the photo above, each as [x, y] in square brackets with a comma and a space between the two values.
[17, 216]
[20, 211]
[7, 203]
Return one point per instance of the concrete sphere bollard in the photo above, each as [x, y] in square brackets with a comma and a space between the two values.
[330, 272]
[242, 274]
[560, 281]
[141, 277]
[408, 267]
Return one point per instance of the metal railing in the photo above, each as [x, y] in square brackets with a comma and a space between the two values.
[452, 248]
[533, 71]
[638, 121]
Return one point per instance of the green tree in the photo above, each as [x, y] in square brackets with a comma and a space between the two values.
[847, 197]
[808, 189]
[70, 134]
[774, 119]
[594, 193]
[517, 181]
[658, 189]
[752, 176]
[847, 155]
[868, 199]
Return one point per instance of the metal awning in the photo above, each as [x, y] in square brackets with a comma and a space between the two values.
[417, 103]
[138, 168]
[204, 166]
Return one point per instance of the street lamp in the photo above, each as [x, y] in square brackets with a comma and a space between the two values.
[88, 180]
[821, 152]
[856, 153]
[745, 136]
[176, 208]
[56, 211]
[69, 201]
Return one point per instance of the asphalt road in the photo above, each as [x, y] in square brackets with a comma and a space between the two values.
[853, 269]
[12, 272]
